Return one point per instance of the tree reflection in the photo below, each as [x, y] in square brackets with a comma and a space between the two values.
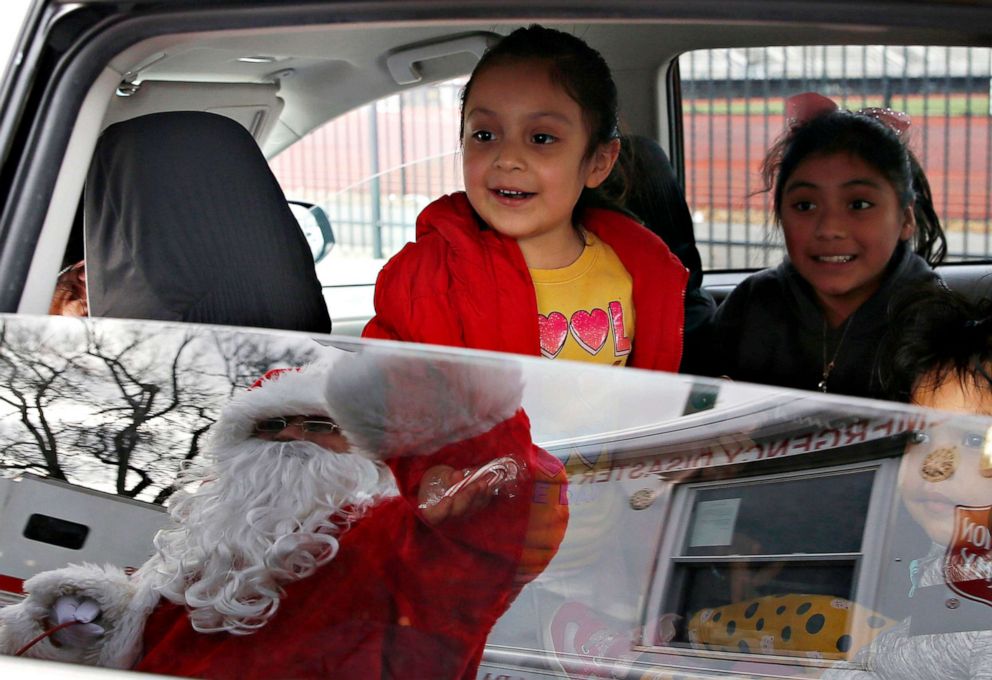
[119, 406]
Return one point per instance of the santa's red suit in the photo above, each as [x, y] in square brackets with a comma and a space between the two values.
[400, 596]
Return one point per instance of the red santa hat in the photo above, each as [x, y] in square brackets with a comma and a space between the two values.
[280, 392]
[387, 404]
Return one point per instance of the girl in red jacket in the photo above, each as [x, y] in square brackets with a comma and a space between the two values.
[522, 261]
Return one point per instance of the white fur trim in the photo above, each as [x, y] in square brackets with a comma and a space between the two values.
[392, 405]
[292, 392]
[123, 615]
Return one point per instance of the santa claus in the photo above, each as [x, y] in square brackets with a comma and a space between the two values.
[368, 519]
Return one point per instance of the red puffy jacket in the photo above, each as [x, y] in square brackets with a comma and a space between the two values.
[463, 286]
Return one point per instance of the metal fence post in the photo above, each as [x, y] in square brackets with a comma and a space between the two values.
[376, 197]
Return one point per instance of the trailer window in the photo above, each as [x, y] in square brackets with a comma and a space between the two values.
[771, 565]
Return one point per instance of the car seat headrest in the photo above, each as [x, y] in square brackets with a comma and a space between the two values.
[655, 197]
[185, 221]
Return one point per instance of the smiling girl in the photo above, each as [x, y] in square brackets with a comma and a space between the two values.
[859, 227]
[527, 259]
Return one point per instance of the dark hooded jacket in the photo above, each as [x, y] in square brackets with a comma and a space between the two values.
[771, 330]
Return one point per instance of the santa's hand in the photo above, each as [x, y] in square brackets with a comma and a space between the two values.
[77, 615]
[446, 493]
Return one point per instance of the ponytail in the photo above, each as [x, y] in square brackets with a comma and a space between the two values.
[930, 241]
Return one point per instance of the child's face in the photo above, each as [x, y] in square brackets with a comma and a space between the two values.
[525, 162]
[944, 471]
[842, 221]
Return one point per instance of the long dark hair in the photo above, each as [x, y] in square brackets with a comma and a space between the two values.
[875, 143]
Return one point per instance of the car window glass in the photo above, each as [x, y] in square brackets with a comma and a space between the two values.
[14, 13]
[732, 111]
[786, 526]
[373, 170]
[743, 539]
[758, 522]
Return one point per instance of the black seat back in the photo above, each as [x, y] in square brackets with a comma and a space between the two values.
[656, 198]
[184, 221]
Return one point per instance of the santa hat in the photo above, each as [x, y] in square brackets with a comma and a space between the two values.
[387, 404]
[280, 392]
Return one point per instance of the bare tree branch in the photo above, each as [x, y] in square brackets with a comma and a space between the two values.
[130, 402]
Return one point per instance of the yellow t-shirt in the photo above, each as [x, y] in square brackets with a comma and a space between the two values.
[586, 310]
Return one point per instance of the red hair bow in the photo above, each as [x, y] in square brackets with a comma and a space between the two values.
[802, 108]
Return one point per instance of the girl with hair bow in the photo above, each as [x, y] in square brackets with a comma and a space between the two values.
[856, 212]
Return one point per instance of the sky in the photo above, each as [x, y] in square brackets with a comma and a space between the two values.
[11, 17]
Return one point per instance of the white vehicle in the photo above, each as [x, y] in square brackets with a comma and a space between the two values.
[41, 528]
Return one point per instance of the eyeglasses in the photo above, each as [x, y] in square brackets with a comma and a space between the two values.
[309, 424]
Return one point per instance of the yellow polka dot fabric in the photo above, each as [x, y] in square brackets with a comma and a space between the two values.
[818, 626]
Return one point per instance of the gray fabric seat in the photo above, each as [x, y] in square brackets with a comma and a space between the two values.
[184, 221]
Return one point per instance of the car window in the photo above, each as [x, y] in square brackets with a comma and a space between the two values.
[738, 548]
[708, 523]
[733, 110]
[373, 170]
[13, 15]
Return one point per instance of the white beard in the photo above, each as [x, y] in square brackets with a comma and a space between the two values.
[265, 514]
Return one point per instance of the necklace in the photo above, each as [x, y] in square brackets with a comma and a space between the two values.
[829, 367]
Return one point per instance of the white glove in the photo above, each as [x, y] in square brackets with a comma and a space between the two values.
[82, 610]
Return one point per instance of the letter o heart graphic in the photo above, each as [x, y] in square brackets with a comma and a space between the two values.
[590, 329]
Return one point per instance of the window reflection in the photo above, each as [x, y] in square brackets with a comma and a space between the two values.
[772, 528]
[770, 566]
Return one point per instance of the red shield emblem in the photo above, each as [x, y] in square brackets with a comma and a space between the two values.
[968, 562]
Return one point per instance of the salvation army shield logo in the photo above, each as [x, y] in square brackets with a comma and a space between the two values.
[968, 562]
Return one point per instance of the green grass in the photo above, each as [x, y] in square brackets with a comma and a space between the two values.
[916, 106]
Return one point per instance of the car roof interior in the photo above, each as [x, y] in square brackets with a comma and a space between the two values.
[285, 82]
